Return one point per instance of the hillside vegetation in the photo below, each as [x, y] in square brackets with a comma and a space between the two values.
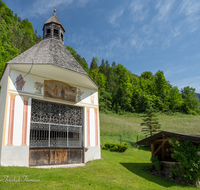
[128, 125]
[122, 91]
[16, 35]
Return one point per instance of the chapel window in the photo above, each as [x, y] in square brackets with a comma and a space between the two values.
[55, 32]
[48, 32]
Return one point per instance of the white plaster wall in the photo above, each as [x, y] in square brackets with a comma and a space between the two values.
[93, 153]
[88, 96]
[92, 127]
[18, 119]
[4, 84]
[15, 156]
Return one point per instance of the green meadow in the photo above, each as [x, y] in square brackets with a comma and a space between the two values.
[115, 170]
[129, 124]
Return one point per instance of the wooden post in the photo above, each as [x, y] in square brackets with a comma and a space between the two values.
[137, 141]
[162, 153]
[121, 140]
[152, 151]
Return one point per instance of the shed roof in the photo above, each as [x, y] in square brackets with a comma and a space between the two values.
[167, 134]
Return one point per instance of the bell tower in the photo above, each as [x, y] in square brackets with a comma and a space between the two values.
[53, 28]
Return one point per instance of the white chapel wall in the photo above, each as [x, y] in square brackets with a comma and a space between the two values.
[85, 98]
[18, 119]
[4, 84]
[93, 152]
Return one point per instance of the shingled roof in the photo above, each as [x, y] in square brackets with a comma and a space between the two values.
[51, 52]
[53, 19]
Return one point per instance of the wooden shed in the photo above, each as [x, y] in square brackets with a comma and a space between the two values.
[161, 147]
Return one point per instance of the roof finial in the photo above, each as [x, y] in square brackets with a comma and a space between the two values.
[54, 9]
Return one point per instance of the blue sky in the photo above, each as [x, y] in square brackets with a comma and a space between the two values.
[143, 35]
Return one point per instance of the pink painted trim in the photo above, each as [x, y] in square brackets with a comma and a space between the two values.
[11, 120]
[24, 124]
[88, 127]
[96, 130]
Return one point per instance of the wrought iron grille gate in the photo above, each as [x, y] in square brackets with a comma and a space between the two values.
[55, 125]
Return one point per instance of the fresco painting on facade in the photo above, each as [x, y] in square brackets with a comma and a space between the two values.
[20, 82]
[38, 86]
[92, 98]
[79, 94]
[59, 90]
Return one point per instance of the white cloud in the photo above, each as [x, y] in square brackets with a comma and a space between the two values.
[113, 17]
[190, 9]
[139, 10]
[42, 7]
[164, 7]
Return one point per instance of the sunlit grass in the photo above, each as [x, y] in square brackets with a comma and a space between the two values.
[113, 124]
[115, 171]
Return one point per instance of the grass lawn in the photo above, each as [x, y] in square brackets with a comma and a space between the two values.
[116, 171]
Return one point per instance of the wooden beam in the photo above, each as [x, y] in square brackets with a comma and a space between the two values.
[152, 148]
[158, 140]
[165, 140]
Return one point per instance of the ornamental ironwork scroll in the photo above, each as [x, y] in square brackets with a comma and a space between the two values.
[55, 125]
[60, 91]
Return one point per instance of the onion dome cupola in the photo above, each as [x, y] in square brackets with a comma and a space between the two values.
[53, 28]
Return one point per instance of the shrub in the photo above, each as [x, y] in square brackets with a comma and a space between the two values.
[115, 147]
[187, 154]
[156, 162]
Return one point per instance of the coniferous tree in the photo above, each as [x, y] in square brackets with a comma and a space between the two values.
[102, 67]
[151, 124]
[94, 63]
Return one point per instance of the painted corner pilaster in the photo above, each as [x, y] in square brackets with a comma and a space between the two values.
[96, 127]
[11, 120]
[88, 126]
[24, 123]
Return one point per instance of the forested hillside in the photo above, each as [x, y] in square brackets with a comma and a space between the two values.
[16, 35]
[121, 90]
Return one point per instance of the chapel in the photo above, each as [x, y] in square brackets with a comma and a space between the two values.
[49, 106]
